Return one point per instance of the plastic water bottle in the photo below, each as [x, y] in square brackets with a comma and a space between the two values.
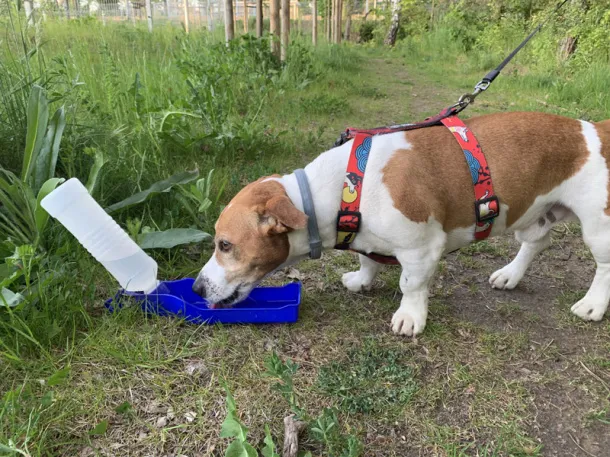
[73, 206]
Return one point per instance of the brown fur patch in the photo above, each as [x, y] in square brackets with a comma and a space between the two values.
[257, 248]
[528, 154]
[603, 131]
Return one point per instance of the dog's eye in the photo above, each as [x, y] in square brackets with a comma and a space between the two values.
[224, 246]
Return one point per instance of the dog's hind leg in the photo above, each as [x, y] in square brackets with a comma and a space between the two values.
[534, 239]
[356, 281]
[596, 234]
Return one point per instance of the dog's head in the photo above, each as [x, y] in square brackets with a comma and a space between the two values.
[251, 241]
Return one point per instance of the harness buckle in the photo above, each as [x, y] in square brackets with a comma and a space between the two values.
[349, 221]
[487, 209]
[348, 224]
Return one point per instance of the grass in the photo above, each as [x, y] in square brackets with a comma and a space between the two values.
[76, 380]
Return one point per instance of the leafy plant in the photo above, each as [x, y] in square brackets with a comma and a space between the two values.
[200, 195]
[325, 428]
[232, 427]
[371, 379]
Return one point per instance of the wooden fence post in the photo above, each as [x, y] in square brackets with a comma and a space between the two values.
[149, 14]
[229, 24]
[259, 18]
[186, 15]
[285, 29]
[274, 27]
[314, 22]
[245, 3]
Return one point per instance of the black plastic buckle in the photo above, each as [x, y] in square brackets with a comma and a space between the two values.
[342, 139]
[341, 225]
[492, 215]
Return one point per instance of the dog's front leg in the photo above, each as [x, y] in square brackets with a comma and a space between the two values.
[356, 281]
[418, 267]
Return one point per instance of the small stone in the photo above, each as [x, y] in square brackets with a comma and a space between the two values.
[161, 422]
[190, 416]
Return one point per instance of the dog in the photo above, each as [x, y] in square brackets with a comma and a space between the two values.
[417, 205]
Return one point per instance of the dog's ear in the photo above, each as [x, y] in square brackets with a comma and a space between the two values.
[280, 216]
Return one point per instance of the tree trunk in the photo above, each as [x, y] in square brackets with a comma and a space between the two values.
[274, 27]
[149, 17]
[245, 16]
[567, 46]
[366, 7]
[339, 17]
[348, 21]
[390, 39]
[314, 22]
[329, 16]
[285, 29]
[259, 18]
[229, 24]
[67, 7]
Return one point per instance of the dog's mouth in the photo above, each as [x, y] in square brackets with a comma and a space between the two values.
[236, 296]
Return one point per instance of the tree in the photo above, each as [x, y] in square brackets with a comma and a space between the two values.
[390, 39]
[274, 27]
[285, 29]
[259, 18]
[314, 22]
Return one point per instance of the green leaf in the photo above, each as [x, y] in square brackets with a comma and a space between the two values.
[47, 399]
[47, 157]
[170, 238]
[269, 449]
[250, 451]
[98, 164]
[100, 428]
[40, 214]
[160, 186]
[9, 299]
[123, 408]
[38, 116]
[232, 428]
[59, 377]
[238, 449]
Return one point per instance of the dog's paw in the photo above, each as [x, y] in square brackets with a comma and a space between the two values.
[355, 281]
[588, 310]
[506, 278]
[403, 323]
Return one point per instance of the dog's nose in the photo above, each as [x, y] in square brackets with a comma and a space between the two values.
[199, 288]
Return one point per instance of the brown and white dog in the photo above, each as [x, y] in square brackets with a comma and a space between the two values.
[417, 205]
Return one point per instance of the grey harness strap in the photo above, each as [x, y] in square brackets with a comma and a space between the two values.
[315, 242]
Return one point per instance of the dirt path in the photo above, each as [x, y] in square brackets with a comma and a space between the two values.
[561, 365]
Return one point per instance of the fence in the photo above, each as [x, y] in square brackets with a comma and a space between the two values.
[201, 13]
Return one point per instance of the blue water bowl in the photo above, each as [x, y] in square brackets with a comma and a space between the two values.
[264, 305]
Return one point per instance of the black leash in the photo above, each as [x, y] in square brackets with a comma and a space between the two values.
[484, 84]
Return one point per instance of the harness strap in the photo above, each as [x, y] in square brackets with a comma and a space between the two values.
[348, 221]
[486, 205]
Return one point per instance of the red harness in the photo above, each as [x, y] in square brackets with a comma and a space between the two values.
[486, 205]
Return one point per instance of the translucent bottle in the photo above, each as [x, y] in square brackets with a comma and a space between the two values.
[73, 206]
